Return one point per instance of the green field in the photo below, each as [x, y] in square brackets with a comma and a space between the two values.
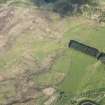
[81, 72]
[85, 72]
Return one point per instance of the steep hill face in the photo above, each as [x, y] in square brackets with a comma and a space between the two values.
[36, 65]
[18, 20]
[23, 32]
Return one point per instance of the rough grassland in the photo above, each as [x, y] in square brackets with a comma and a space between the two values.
[34, 55]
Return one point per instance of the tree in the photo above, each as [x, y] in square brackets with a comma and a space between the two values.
[66, 7]
[63, 7]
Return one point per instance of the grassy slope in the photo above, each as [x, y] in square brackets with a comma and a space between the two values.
[81, 72]
[84, 71]
[81, 68]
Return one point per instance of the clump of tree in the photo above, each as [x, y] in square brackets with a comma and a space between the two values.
[63, 7]
[66, 7]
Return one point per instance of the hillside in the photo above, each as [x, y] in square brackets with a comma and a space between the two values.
[36, 65]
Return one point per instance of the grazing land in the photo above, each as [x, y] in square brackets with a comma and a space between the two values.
[36, 65]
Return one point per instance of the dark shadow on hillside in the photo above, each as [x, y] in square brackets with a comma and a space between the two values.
[64, 7]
